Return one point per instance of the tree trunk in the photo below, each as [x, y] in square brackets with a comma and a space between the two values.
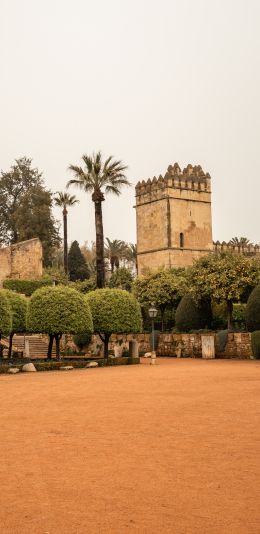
[112, 263]
[65, 240]
[10, 345]
[57, 343]
[99, 244]
[50, 347]
[105, 339]
[230, 314]
[1, 347]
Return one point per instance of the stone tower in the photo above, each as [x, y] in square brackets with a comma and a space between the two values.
[173, 216]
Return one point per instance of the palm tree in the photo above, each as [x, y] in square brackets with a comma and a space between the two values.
[64, 200]
[114, 251]
[131, 254]
[240, 242]
[99, 178]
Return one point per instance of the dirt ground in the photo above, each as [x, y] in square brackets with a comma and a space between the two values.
[171, 448]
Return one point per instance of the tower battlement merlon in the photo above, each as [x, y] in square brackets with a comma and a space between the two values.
[192, 178]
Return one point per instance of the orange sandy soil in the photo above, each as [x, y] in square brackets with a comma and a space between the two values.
[171, 448]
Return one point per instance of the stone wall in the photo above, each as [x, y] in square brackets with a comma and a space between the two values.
[23, 260]
[180, 345]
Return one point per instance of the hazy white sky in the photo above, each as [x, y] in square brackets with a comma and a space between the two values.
[151, 82]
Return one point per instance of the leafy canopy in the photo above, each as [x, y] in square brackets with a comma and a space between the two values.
[114, 311]
[163, 287]
[252, 314]
[97, 176]
[18, 305]
[59, 310]
[224, 276]
[121, 278]
[26, 208]
[6, 319]
[64, 200]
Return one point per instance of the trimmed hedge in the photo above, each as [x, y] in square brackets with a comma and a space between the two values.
[26, 287]
[79, 364]
[252, 314]
[191, 315]
[255, 344]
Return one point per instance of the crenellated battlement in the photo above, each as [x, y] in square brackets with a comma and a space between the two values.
[190, 179]
[246, 250]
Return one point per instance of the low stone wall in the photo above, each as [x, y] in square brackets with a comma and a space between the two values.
[238, 346]
[179, 345]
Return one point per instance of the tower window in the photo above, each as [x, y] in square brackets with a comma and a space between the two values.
[181, 240]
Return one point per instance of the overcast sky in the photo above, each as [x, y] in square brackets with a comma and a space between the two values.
[150, 82]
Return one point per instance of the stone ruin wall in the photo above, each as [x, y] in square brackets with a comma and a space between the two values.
[173, 345]
[22, 260]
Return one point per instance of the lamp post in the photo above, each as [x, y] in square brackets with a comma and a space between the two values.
[152, 314]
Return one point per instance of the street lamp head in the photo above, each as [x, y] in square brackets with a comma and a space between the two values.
[152, 311]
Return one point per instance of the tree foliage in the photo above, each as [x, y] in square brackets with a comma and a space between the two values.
[192, 315]
[58, 310]
[18, 305]
[252, 314]
[26, 208]
[114, 251]
[77, 266]
[121, 278]
[223, 277]
[26, 287]
[163, 288]
[6, 319]
[114, 311]
[99, 177]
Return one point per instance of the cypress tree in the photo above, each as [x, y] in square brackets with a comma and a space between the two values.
[191, 315]
[78, 269]
[253, 310]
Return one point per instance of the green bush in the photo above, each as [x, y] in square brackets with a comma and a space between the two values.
[114, 311]
[82, 340]
[255, 344]
[191, 315]
[58, 310]
[6, 320]
[27, 287]
[239, 316]
[86, 285]
[252, 314]
[121, 278]
[219, 315]
[18, 304]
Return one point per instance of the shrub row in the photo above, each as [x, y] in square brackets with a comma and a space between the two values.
[79, 364]
[27, 287]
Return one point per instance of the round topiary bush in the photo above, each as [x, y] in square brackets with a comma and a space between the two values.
[114, 311]
[18, 304]
[6, 319]
[252, 314]
[191, 315]
[255, 344]
[56, 311]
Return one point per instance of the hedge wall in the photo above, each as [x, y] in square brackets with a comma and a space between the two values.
[27, 287]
